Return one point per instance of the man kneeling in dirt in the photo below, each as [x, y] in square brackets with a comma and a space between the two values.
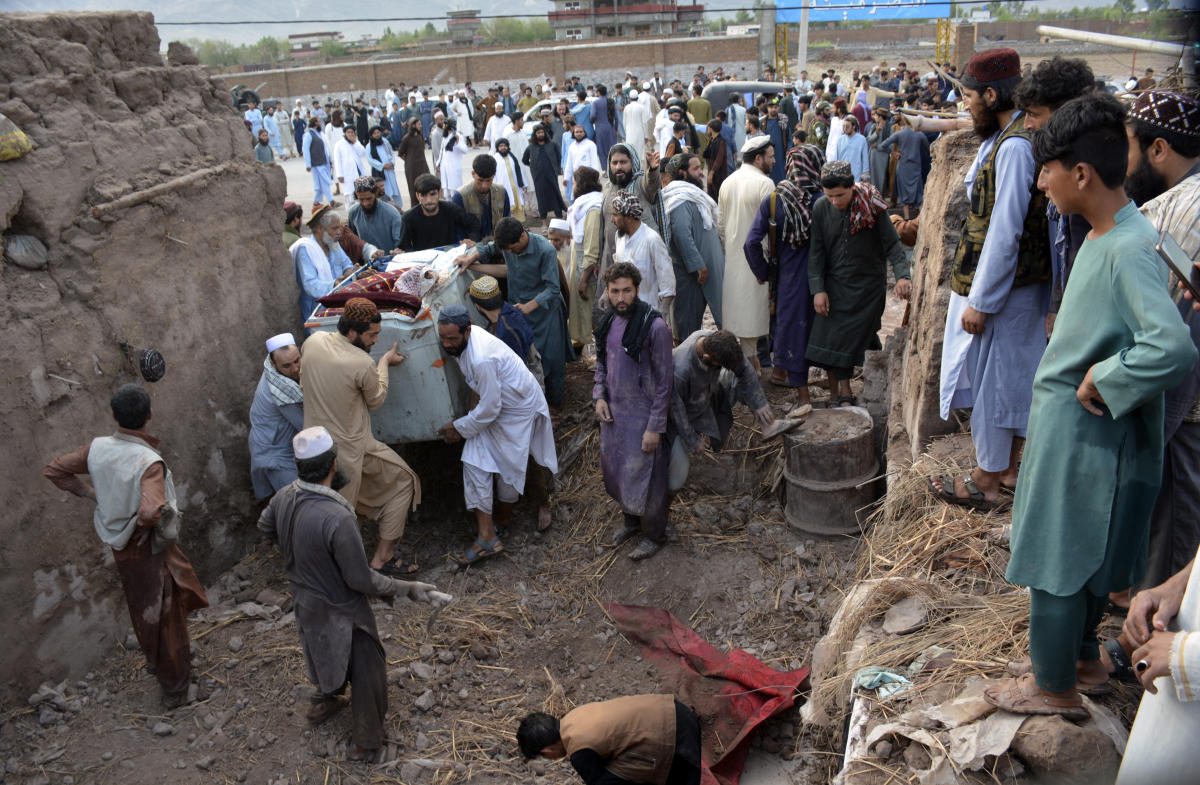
[711, 375]
[637, 739]
[317, 532]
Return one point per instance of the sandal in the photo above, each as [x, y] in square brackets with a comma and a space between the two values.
[781, 381]
[623, 534]
[1022, 696]
[364, 755]
[847, 400]
[325, 709]
[976, 500]
[1122, 667]
[393, 569]
[1091, 689]
[479, 551]
[645, 549]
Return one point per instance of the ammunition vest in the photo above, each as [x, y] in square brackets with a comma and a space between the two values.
[473, 205]
[1033, 250]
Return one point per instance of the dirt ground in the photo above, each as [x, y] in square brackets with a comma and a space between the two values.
[526, 632]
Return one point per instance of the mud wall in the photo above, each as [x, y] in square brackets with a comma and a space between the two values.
[198, 273]
[916, 361]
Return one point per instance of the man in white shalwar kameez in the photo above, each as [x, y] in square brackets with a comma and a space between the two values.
[497, 126]
[509, 424]
[510, 177]
[644, 248]
[745, 300]
[637, 120]
[350, 162]
[1164, 623]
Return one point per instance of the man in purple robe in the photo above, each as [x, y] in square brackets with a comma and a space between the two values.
[634, 373]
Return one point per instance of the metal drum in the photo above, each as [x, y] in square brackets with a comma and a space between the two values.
[830, 471]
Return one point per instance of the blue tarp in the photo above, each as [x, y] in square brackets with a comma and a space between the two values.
[788, 11]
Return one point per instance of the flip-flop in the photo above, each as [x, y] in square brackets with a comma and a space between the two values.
[479, 551]
[847, 401]
[1022, 696]
[975, 501]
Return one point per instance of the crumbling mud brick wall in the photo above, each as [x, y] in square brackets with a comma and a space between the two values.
[915, 419]
[197, 272]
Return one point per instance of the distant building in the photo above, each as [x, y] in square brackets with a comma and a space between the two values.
[303, 45]
[580, 19]
[750, 29]
[464, 26]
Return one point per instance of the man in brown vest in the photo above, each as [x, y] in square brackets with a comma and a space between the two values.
[651, 739]
[483, 198]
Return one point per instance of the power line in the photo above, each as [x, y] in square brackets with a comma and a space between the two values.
[844, 6]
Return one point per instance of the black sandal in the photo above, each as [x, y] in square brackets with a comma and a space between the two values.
[975, 500]
[1122, 667]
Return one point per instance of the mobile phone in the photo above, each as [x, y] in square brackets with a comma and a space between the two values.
[1179, 262]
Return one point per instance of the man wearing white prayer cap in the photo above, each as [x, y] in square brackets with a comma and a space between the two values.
[317, 533]
[276, 414]
[745, 305]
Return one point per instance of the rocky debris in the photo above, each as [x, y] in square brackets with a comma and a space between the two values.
[162, 729]
[907, 615]
[426, 701]
[1055, 748]
[205, 763]
[25, 251]
[179, 53]
[236, 643]
[425, 651]
[422, 671]
[269, 597]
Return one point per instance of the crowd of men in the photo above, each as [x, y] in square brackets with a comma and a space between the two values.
[1063, 328]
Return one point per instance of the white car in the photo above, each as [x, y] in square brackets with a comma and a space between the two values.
[533, 115]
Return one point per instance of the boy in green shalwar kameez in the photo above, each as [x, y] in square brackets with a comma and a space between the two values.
[1093, 459]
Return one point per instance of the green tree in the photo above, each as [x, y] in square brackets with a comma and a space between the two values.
[333, 49]
[1123, 8]
[268, 50]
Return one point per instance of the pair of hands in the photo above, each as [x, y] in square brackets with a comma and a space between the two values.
[528, 308]
[1150, 611]
[414, 590]
[650, 441]
[450, 434]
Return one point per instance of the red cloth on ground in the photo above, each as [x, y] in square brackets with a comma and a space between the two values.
[732, 693]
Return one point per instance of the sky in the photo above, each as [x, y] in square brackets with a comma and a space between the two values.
[295, 12]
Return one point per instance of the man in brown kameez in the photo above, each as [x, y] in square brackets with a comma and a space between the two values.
[341, 384]
[136, 516]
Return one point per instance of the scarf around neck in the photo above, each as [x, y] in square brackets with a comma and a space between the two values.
[865, 205]
[677, 192]
[577, 213]
[283, 390]
[636, 332]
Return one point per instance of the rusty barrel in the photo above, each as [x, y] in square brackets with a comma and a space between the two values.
[830, 468]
